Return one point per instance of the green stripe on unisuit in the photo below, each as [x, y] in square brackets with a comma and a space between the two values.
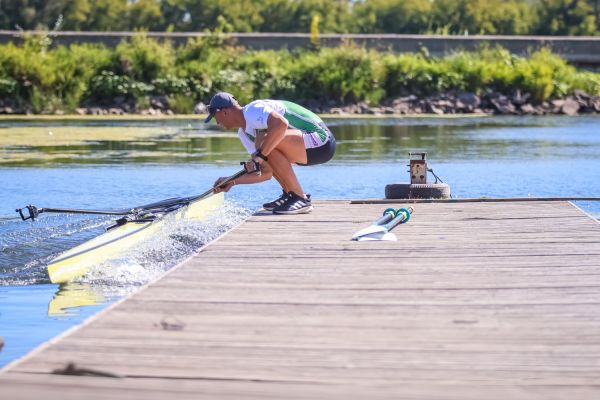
[303, 119]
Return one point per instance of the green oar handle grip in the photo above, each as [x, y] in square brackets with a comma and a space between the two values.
[407, 212]
[402, 216]
[387, 216]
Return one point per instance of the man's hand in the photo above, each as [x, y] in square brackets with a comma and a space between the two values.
[252, 166]
[225, 188]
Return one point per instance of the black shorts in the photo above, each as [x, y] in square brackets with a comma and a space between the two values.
[321, 154]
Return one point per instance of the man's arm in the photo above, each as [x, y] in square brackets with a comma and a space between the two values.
[276, 127]
[266, 174]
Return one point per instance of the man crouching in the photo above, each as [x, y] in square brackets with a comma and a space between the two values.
[276, 134]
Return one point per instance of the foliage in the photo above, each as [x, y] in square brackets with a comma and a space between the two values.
[511, 17]
[8, 87]
[343, 74]
[107, 85]
[43, 79]
[144, 59]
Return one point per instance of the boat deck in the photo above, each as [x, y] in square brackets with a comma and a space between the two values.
[474, 301]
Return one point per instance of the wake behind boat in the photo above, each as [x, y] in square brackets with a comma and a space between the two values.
[137, 225]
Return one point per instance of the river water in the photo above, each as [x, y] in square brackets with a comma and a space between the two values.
[119, 164]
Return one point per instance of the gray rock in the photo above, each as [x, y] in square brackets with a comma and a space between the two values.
[436, 110]
[159, 102]
[401, 108]
[519, 99]
[503, 106]
[81, 111]
[200, 108]
[115, 111]
[433, 108]
[527, 109]
[408, 99]
[470, 100]
[444, 104]
[373, 110]
[336, 110]
[570, 106]
[557, 105]
[364, 107]
[581, 95]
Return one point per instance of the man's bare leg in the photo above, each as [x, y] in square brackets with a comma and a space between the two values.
[283, 169]
[288, 151]
[280, 181]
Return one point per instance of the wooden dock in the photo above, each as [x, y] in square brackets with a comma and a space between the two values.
[475, 301]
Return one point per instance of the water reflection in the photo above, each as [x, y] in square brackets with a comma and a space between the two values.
[70, 296]
[171, 142]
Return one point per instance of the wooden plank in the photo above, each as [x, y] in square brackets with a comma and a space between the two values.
[475, 300]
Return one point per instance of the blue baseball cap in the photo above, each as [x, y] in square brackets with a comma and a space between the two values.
[218, 102]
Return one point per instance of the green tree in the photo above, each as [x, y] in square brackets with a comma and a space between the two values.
[392, 16]
[25, 14]
[508, 17]
[568, 17]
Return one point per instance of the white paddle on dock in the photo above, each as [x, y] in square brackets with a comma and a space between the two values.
[380, 229]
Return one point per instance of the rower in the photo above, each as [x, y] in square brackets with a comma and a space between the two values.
[276, 134]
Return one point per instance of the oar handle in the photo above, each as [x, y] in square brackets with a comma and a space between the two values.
[402, 216]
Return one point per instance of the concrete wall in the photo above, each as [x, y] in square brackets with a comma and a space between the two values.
[582, 51]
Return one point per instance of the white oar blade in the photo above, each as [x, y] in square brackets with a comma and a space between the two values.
[369, 231]
[379, 236]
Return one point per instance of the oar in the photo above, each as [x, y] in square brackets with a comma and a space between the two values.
[387, 216]
[163, 205]
[221, 184]
[382, 232]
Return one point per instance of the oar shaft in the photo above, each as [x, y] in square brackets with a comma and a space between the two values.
[221, 184]
[384, 219]
[33, 211]
[79, 211]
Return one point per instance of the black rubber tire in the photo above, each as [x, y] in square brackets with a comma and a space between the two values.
[417, 191]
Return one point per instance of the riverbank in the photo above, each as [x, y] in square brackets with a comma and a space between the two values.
[148, 77]
[460, 104]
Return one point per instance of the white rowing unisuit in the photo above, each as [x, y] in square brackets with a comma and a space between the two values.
[256, 113]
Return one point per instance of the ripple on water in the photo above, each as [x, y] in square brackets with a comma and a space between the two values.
[32, 248]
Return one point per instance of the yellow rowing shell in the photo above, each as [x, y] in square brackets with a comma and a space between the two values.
[76, 262]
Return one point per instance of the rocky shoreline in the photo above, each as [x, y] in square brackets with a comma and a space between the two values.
[470, 103]
[492, 103]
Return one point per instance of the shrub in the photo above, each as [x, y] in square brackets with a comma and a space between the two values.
[144, 59]
[171, 85]
[8, 87]
[107, 85]
[343, 74]
[46, 79]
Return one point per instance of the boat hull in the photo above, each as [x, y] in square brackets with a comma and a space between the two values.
[75, 262]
